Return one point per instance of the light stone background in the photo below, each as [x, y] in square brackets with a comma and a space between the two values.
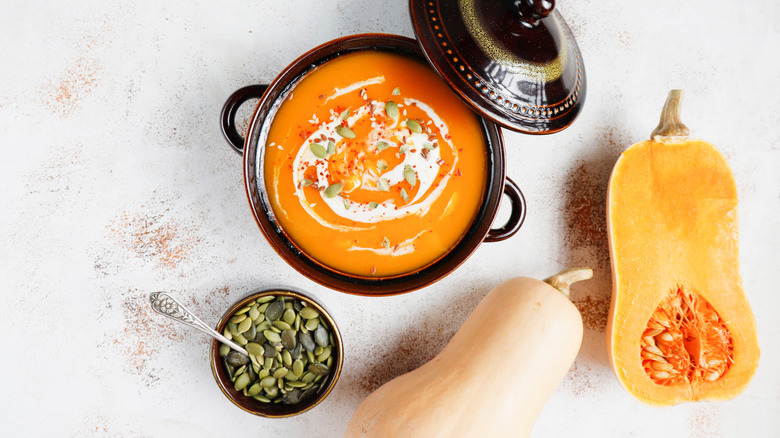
[115, 181]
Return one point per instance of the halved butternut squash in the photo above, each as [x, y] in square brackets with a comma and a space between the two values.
[680, 327]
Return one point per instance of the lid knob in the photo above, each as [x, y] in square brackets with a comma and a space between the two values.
[529, 12]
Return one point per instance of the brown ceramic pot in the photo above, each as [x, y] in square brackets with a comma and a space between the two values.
[253, 147]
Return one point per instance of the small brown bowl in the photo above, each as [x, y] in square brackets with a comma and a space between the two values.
[276, 410]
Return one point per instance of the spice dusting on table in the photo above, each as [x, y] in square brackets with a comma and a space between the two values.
[64, 95]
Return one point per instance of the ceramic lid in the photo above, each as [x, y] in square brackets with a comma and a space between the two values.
[515, 61]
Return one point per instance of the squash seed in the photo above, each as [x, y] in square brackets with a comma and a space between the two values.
[308, 377]
[404, 195]
[321, 336]
[241, 382]
[410, 176]
[288, 339]
[289, 316]
[382, 145]
[238, 318]
[396, 91]
[272, 336]
[346, 203]
[318, 150]
[280, 372]
[287, 358]
[224, 349]
[254, 349]
[281, 325]
[292, 397]
[322, 357]
[344, 114]
[274, 310]
[383, 185]
[260, 398]
[243, 326]
[345, 132]
[254, 313]
[255, 389]
[312, 324]
[309, 313]
[381, 165]
[333, 190]
[306, 182]
[298, 367]
[268, 381]
[236, 359]
[308, 341]
[331, 148]
[413, 125]
[265, 299]
[318, 369]
[391, 109]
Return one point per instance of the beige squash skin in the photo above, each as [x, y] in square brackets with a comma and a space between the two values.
[492, 379]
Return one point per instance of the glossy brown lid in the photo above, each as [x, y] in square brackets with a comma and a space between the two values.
[515, 61]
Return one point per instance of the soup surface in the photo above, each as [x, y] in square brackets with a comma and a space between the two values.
[373, 166]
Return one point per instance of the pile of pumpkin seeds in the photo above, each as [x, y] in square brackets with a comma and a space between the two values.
[290, 350]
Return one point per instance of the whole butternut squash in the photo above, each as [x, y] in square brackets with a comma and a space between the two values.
[680, 327]
[493, 377]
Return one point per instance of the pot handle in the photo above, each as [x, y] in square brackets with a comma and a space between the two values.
[516, 217]
[228, 116]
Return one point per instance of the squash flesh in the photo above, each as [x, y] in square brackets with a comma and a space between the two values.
[672, 223]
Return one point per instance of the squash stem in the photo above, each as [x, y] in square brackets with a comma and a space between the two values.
[565, 278]
[670, 124]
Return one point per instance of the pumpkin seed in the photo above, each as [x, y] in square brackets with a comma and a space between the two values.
[296, 351]
[318, 369]
[292, 397]
[254, 313]
[382, 145]
[409, 175]
[344, 114]
[281, 325]
[226, 333]
[318, 150]
[272, 336]
[255, 389]
[233, 328]
[404, 195]
[391, 109]
[306, 182]
[260, 398]
[298, 367]
[312, 324]
[296, 384]
[280, 372]
[396, 91]
[386, 243]
[274, 310]
[287, 358]
[318, 351]
[223, 350]
[333, 190]
[240, 340]
[331, 148]
[291, 377]
[262, 374]
[268, 381]
[251, 333]
[403, 149]
[271, 391]
[289, 316]
[309, 312]
[345, 132]
[413, 125]
[381, 165]
[322, 357]
[236, 319]
[428, 146]
[243, 326]
[307, 341]
[268, 350]
[254, 349]
[372, 205]
[288, 339]
[241, 311]
[308, 377]
[236, 359]
[321, 336]
[268, 363]
[346, 203]
[265, 299]
[241, 382]
[383, 185]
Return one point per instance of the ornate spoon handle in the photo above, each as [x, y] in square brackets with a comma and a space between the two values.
[166, 305]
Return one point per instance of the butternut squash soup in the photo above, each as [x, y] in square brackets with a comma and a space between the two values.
[373, 166]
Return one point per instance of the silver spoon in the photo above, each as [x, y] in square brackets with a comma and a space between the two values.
[166, 305]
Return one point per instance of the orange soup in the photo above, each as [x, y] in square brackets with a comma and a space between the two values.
[373, 166]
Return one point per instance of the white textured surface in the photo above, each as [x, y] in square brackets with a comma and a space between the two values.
[115, 182]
